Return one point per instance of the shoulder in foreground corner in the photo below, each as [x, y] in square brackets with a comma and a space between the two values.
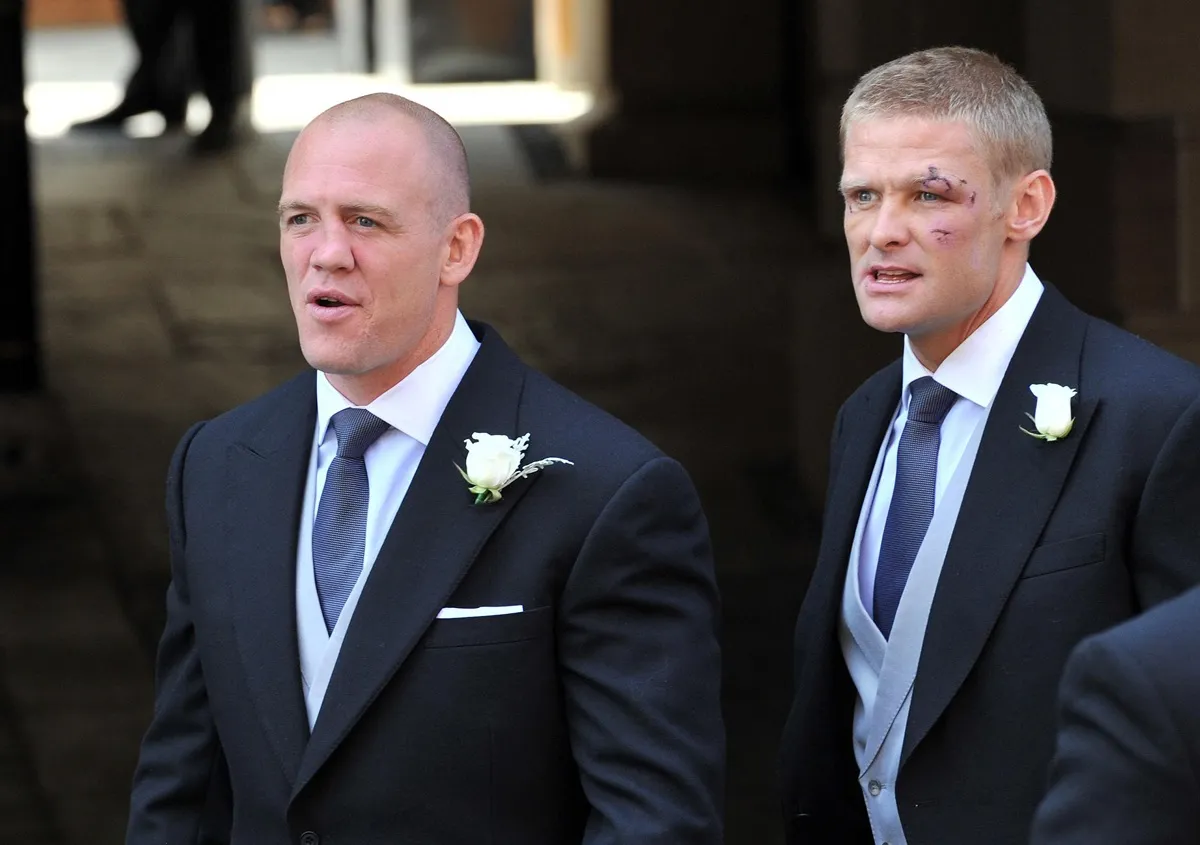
[1154, 634]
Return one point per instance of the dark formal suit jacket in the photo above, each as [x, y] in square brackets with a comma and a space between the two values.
[591, 717]
[1127, 768]
[1053, 541]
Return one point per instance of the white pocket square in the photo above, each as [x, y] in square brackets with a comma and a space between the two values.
[467, 612]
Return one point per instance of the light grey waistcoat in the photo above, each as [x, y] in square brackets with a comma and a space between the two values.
[884, 671]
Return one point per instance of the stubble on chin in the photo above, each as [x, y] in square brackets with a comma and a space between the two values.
[889, 317]
[330, 358]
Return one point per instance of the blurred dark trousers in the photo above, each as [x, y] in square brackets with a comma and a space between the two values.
[302, 8]
[188, 44]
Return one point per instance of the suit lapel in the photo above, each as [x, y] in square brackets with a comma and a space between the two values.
[266, 477]
[432, 543]
[1014, 486]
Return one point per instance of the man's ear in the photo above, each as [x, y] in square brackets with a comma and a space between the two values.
[465, 241]
[1032, 199]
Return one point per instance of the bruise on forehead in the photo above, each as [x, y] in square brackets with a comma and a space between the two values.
[935, 177]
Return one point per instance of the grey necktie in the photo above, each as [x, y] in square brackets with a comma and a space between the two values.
[912, 500]
[340, 529]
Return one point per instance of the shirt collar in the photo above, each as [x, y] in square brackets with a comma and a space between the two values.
[415, 404]
[976, 367]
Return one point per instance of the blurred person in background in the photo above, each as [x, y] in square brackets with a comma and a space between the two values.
[183, 45]
[161, 84]
[296, 15]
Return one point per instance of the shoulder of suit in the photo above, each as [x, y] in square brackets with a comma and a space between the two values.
[294, 396]
[1158, 633]
[882, 381]
[1132, 368]
[558, 418]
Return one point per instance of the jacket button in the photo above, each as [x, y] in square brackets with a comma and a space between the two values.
[309, 838]
[874, 787]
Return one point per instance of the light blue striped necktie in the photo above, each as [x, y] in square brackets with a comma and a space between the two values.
[340, 529]
[911, 509]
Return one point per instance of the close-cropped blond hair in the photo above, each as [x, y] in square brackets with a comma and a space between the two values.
[961, 84]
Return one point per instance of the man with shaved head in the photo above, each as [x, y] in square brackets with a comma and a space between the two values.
[421, 593]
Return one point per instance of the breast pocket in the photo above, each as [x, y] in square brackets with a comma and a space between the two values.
[1062, 555]
[490, 630]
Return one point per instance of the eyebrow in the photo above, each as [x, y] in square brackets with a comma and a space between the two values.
[919, 180]
[365, 209]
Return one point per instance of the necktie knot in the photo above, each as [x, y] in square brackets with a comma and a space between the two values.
[929, 402]
[356, 430]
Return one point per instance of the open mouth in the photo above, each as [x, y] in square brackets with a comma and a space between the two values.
[893, 276]
[329, 307]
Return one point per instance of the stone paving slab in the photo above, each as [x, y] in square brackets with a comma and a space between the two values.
[79, 329]
[83, 232]
[70, 280]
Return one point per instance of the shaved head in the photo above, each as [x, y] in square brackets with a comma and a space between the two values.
[450, 176]
[375, 235]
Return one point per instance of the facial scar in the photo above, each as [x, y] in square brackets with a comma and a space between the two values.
[935, 177]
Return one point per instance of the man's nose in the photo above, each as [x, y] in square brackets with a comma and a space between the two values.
[890, 228]
[333, 253]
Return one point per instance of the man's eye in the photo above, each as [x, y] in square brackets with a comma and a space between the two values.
[365, 222]
[297, 220]
[928, 196]
[863, 196]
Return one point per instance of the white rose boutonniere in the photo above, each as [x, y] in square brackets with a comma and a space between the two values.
[1052, 415]
[494, 462]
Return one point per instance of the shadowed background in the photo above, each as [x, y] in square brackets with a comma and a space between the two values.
[657, 181]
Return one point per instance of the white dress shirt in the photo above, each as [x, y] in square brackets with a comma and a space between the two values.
[412, 408]
[974, 371]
